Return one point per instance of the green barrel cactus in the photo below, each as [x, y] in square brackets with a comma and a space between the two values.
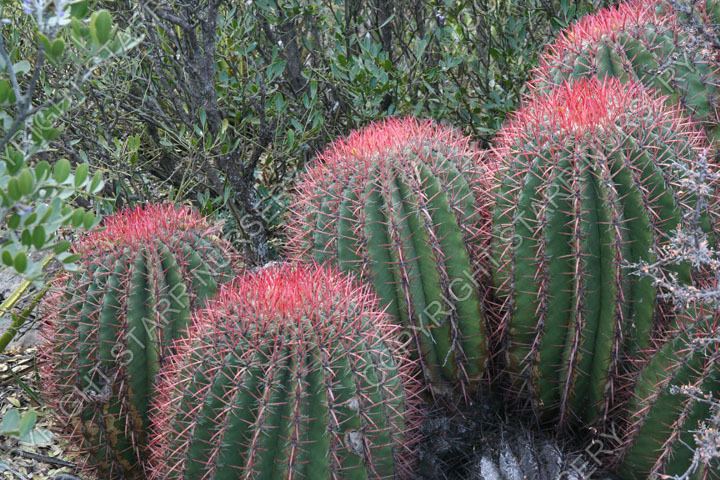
[292, 372]
[111, 324]
[643, 41]
[669, 404]
[400, 204]
[591, 183]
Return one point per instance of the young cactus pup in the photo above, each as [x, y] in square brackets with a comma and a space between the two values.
[402, 204]
[591, 183]
[111, 324]
[292, 372]
[643, 41]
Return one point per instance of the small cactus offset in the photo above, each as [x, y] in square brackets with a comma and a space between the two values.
[669, 403]
[111, 323]
[291, 372]
[401, 204]
[646, 42]
[592, 182]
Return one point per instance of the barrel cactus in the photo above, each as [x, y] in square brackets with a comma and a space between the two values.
[670, 402]
[592, 182]
[401, 204]
[291, 372]
[111, 324]
[643, 41]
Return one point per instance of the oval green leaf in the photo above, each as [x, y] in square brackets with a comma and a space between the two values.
[81, 174]
[26, 182]
[101, 26]
[20, 262]
[62, 170]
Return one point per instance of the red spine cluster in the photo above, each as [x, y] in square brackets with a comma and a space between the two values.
[391, 145]
[585, 106]
[143, 224]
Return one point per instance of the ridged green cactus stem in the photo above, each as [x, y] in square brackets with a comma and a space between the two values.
[592, 182]
[293, 372]
[670, 402]
[110, 325]
[401, 204]
[642, 41]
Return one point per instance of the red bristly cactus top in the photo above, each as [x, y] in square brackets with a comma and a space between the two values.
[642, 41]
[143, 224]
[586, 106]
[607, 23]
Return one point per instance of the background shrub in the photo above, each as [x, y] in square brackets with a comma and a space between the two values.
[229, 100]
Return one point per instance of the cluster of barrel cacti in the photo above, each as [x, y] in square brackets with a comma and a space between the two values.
[294, 371]
[421, 269]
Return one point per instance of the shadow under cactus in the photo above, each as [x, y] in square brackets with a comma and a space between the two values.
[477, 444]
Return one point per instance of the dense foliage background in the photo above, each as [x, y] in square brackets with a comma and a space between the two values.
[224, 102]
[106, 104]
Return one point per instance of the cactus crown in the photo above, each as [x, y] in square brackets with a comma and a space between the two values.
[640, 41]
[389, 139]
[587, 106]
[292, 299]
[294, 372]
[138, 226]
[402, 203]
[376, 153]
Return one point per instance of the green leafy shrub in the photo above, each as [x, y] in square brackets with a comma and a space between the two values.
[233, 98]
[23, 427]
[37, 190]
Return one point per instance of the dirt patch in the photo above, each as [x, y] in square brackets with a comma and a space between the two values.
[46, 458]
